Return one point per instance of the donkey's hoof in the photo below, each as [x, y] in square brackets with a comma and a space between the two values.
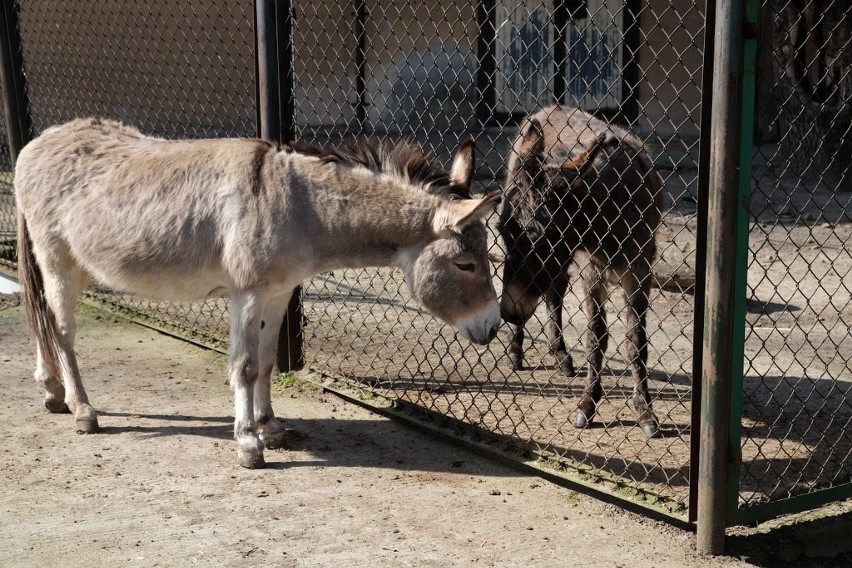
[86, 419]
[251, 459]
[581, 420]
[650, 429]
[566, 366]
[56, 406]
[517, 362]
[274, 435]
[87, 425]
[585, 412]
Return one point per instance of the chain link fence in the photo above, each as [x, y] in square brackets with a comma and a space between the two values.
[8, 213]
[388, 68]
[441, 72]
[172, 70]
[797, 390]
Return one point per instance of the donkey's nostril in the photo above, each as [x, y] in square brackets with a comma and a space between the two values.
[493, 332]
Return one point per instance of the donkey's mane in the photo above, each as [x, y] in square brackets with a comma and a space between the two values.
[402, 160]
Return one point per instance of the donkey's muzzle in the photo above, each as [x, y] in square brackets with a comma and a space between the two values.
[482, 327]
[490, 334]
[485, 338]
[517, 304]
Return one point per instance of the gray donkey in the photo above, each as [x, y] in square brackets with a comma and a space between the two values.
[580, 194]
[189, 219]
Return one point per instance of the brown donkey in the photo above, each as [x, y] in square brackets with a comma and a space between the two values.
[582, 194]
[187, 219]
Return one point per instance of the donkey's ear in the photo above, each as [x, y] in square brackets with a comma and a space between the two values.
[464, 162]
[454, 216]
[582, 163]
[531, 147]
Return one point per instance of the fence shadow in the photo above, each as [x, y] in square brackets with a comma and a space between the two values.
[797, 435]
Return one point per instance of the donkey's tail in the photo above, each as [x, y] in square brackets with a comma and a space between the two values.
[41, 318]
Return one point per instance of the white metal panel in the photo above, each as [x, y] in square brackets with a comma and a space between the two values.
[9, 284]
[525, 56]
[524, 53]
[595, 57]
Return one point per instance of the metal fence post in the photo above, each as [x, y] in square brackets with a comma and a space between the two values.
[723, 310]
[360, 7]
[15, 101]
[701, 253]
[275, 116]
[486, 69]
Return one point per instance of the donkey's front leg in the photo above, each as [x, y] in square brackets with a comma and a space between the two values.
[242, 374]
[553, 300]
[516, 346]
[637, 294]
[272, 430]
[597, 338]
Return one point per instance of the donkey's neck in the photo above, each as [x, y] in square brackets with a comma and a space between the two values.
[364, 219]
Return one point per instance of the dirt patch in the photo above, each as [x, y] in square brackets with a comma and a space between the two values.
[160, 485]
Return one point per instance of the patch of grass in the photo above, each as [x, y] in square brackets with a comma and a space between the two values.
[572, 498]
[290, 380]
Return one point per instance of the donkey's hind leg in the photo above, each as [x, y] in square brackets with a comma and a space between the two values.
[54, 392]
[553, 298]
[597, 338]
[64, 281]
[637, 291]
[272, 430]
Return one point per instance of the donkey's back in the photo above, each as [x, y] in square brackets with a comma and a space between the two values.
[146, 215]
[612, 212]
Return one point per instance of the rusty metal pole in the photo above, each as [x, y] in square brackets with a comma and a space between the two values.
[275, 120]
[486, 71]
[719, 313]
[701, 254]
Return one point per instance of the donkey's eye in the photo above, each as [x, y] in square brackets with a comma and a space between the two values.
[465, 266]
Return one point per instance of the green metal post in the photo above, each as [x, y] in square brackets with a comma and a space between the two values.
[741, 268]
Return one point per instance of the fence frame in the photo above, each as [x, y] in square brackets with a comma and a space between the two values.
[724, 181]
[736, 515]
[723, 355]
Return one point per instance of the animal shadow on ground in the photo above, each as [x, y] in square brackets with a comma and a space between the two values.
[328, 442]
